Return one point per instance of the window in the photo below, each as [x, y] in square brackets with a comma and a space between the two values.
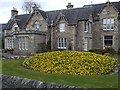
[86, 27]
[108, 24]
[23, 43]
[26, 43]
[20, 42]
[62, 27]
[37, 25]
[62, 43]
[5, 32]
[108, 41]
[9, 43]
[15, 28]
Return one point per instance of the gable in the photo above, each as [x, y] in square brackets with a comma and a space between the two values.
[37, 17]
[109, 8]
[109, 11]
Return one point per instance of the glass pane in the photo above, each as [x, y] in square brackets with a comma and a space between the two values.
[62, 39]
[108, 37]
[62, 26]
[62, 45]
[65, 40]
[112, 21]
[104, 21]
[112, 26]
[108, 42]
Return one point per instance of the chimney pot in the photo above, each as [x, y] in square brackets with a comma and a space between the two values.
[69, 6]
[14, 12]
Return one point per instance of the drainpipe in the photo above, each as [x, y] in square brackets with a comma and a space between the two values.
[73, 40]
[51, 34]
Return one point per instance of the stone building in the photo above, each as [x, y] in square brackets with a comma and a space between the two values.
[94, 26]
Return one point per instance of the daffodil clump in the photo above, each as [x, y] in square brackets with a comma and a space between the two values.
[71, 62]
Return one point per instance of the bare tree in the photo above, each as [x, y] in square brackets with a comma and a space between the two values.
[28, 4]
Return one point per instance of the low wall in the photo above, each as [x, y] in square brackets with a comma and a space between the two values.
[17, 82]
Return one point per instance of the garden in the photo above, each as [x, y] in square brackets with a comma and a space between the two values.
[71, 62]
[81, 69]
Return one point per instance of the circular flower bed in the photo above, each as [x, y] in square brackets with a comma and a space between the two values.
[71, 62]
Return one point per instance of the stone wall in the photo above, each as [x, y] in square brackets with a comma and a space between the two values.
[119, 33]
[80, 33]
[69, 34]
[109, 12]
[17, 82]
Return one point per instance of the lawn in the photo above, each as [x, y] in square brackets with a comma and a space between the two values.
[14, 68]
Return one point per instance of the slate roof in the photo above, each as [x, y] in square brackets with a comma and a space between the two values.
[97, 8]
[71, 15]
[20, 19]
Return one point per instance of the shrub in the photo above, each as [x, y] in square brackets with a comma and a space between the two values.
[71, 62]
[119, 51]
[97, 51]
[9, 51]
[109, 50]
[107, 54]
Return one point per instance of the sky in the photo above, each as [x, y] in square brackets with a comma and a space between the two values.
[47, 5]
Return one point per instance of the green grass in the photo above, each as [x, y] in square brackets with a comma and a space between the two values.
[14, 68]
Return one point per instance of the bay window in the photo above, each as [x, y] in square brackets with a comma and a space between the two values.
[9, 43]
[23, 43]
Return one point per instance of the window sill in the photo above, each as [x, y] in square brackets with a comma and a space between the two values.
[86, 31]
[108, 29]
[62, 48]
[62, 31]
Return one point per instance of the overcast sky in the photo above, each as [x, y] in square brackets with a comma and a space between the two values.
[7, 5]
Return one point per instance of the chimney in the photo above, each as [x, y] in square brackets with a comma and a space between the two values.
[34, 8]
[69, 6]
[14, 12]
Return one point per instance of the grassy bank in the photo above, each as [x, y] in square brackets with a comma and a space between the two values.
[13, 67]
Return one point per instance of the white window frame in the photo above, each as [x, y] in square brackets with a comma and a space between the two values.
[62, 43]
[26, 43]
[37, 26]
[20, 43]
[23, 43]
[85, 44]
[9, 43]
[62, 27]
[12, 43]
[108, 24]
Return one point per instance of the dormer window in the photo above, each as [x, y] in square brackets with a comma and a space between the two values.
[62, 27]
[15, 28]
[108, 24]
[37, 25]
